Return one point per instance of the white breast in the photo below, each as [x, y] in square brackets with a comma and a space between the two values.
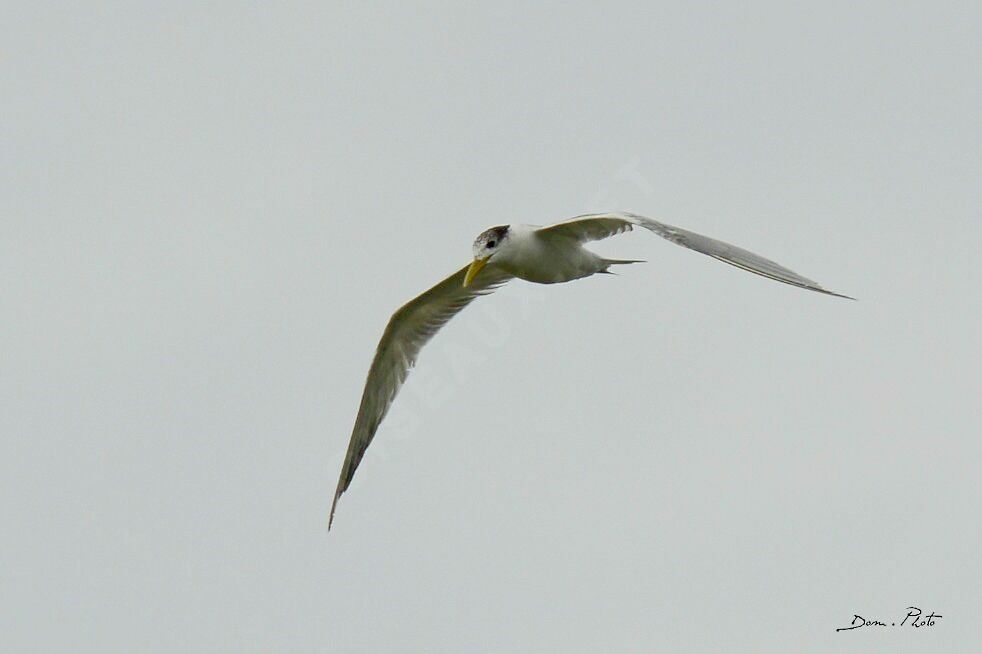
[546, 261]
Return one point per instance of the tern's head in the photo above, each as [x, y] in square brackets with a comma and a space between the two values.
[486, 246]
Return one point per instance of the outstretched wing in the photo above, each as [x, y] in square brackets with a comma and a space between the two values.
[593, 227]
[408, 331]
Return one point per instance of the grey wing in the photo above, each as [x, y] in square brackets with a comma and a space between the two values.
[590, 227]
[408, 331]
[595, 226]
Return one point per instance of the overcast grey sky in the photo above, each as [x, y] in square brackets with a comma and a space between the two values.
[209, 213]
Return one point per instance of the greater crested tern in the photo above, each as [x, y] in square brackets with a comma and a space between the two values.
[544, 255]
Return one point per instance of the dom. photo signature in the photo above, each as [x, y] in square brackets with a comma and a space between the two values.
[914, 618]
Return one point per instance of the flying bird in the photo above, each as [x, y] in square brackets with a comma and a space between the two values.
[544, 255]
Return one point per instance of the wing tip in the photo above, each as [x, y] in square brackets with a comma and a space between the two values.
[834, 294]
[334, 505]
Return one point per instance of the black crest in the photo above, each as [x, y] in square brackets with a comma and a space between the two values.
[496, 234]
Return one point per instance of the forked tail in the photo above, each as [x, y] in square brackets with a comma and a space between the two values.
[617, 262]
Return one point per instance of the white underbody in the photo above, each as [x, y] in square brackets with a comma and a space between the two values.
[530, 256]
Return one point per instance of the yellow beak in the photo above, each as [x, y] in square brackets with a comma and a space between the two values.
[475, 268]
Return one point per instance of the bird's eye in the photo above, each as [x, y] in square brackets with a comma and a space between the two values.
[490, 244]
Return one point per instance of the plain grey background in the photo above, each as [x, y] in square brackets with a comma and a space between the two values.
[209, 213]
